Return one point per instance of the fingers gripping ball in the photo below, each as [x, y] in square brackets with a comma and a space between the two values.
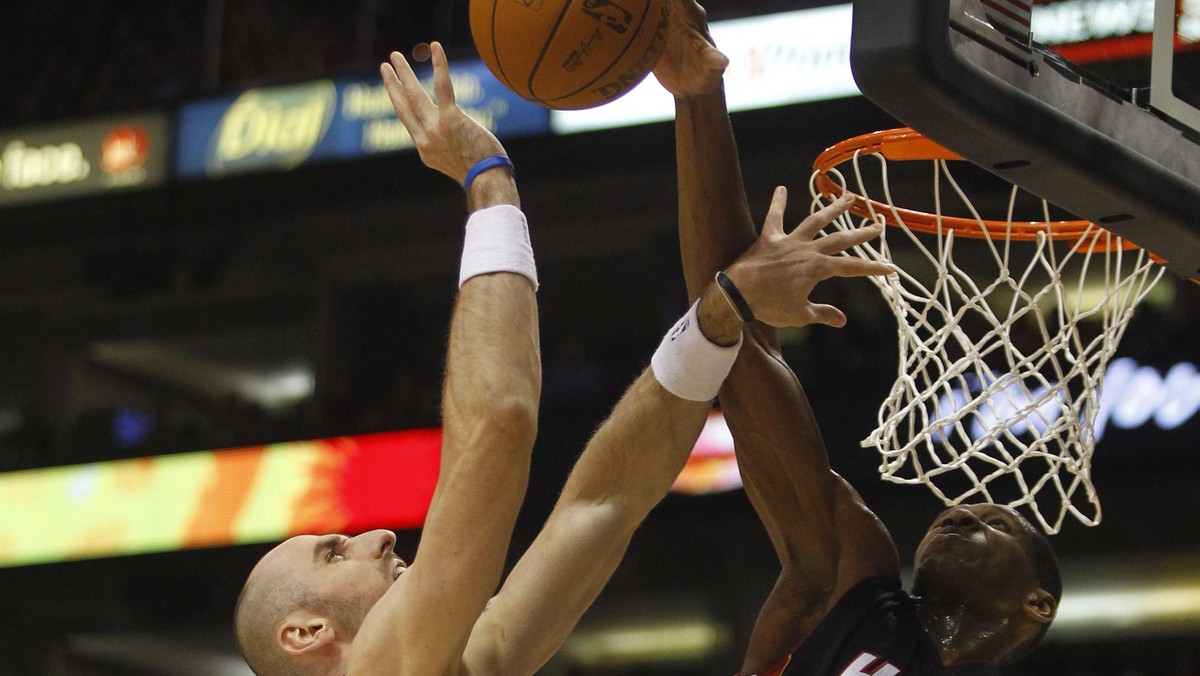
[570, 54]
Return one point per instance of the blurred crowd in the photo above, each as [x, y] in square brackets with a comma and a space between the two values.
[66, 59]
[69, 59]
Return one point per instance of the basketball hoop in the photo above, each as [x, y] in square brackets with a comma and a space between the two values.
[1002, 359]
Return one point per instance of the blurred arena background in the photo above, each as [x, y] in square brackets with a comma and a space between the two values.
[212, 302]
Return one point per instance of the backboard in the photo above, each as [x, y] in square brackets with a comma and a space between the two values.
[1093, 105]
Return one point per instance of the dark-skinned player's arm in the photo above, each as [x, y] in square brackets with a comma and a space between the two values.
[824, 535]
[630, 463]
[489, 408]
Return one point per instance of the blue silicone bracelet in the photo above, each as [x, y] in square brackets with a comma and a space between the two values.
[485, 164]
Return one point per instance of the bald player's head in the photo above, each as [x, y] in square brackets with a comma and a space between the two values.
[310, 595]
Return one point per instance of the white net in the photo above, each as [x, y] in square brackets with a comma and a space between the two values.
[1002, 358]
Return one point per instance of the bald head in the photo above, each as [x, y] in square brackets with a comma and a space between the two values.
[307, 598]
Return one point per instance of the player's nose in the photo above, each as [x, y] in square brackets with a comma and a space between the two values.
[382, 543]
[375, 544]
[960, 517]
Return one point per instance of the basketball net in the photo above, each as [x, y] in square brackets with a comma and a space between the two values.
[1002, 358]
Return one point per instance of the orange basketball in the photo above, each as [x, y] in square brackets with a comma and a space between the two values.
[570, 54]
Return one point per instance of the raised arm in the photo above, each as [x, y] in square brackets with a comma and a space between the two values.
[632, 460]
[490, 399]
[826, 539]
[626, 469]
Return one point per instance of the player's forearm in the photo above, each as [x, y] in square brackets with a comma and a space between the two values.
[493, 366]
[715, 225]
[626, 469]
[637, 453]
[634, 457]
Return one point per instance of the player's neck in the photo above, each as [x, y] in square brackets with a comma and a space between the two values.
[962, 634]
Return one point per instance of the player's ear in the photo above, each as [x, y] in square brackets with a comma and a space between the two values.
[1040, 606]
[301, 633]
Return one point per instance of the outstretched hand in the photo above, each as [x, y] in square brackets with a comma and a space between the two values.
[777, 274]
[689, 65]
[445, 137]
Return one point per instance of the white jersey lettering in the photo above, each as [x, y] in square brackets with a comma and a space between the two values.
[859, 667]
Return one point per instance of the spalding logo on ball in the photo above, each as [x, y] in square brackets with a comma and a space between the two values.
[570, 54]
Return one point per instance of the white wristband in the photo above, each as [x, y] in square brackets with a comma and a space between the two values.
[689, 365]
[497, 240]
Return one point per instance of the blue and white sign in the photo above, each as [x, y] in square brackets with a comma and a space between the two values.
[1132, 395]
[280, 128]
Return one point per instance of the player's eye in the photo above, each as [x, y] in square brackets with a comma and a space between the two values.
[999, 524]
[330, 555]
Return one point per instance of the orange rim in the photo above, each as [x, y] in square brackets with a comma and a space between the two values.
[905, 144]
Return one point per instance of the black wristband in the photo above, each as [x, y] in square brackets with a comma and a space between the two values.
[735, 298]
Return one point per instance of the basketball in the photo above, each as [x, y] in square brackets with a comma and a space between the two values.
[569, 54]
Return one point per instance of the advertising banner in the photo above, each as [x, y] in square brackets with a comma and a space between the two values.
[774, 60]
[386, 480]
[42, 164]
[280, 128]
[253, 495]
[217, 498]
